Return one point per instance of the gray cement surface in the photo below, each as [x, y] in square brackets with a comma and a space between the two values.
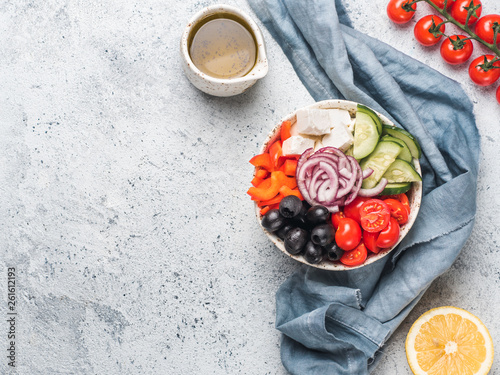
[123, 203]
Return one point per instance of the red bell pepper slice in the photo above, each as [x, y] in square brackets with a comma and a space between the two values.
[285, 130]
[264, 210]
[275, 152]
[264, 193]
[261, 173]
[269, 202]
[256, 181]
[285, 191]
[263, 161]
[289, 167]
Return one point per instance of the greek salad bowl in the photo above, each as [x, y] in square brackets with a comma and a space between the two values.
[358, 150]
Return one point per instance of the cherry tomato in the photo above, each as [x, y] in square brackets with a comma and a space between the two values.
[348, 234]
[459, 12]
[498, 94]
[423, 28]
[389, 236]
[440, 3]
[403, 198]
[352, 209]
[375, 215]
[336, 219]
[398, 211]
[397, 13]
[484, 28]
[454, 55]
[355, 257]
[483, 77]
[370, 241]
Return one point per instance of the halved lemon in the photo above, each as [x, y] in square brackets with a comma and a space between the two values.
[449, 341]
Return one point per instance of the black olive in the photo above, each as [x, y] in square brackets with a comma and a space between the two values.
[290, 206]
[333, 252]
[272, 220]
[322, 234]
[300, 219]
[284, 229]
[313, 253]
[317, 215]
[295, 240]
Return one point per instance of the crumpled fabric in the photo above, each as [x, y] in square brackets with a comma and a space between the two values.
[337, 322]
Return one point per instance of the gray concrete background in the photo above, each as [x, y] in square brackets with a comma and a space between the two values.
[123, 205]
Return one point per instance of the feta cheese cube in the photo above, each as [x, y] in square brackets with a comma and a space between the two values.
[313, 121]
[340, 117]
[297, 145]
[339, 137]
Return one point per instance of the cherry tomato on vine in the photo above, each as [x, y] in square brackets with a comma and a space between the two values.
[484, 73]
[389, 236]
[459, 12]
[398, 211]
[455, 55]
[424, 30]
[336, 219]
[498, 94]
[370, 241]
[375, 215]
[352, 209]
[398, 14]
[485, 27]
[440, 3]
[348, 234]
[355, 257]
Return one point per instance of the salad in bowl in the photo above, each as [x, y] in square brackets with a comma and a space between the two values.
[336, 185]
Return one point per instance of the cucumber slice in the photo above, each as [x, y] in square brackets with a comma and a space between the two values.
[380, 160]
[405, 153]
[402, 134]
[393, 189]
[401, 171]
[373, 115]
[366, 135]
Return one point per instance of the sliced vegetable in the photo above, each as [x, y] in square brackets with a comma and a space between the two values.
[256, 181]
[286, 191]
[285, 130]
[402, 134]
[375, 215]
[373, 115]
[379, 160]
[397, 188]
[275, 152]
[398, 210]
[355, 257]
[405, 153]
[401, 171]
[370, 241]
[352, 209]
[289, 167]
[263, 161]
[278, 179]
[366, 135]
[374, 191]
[328, 177]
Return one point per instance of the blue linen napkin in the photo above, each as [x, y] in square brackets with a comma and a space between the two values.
[337, 322]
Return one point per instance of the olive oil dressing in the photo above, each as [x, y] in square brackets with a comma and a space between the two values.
[223, 47]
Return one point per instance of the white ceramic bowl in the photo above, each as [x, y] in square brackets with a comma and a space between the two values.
[414, 194]
[219, 86]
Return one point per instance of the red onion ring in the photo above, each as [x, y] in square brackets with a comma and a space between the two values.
[328, 177]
